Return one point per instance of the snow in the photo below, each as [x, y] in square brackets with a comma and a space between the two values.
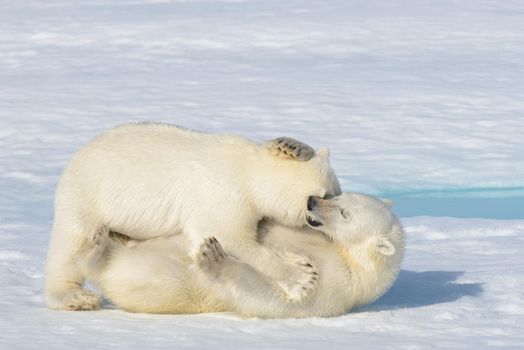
[460, 287]
[412, 97]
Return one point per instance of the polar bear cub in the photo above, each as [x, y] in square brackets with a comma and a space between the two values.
[357, 255]
[156, 180]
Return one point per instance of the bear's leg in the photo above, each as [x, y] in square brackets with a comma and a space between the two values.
[286, 147]
[242, 288]
[294, 273]
[70, 243]
[300, 277]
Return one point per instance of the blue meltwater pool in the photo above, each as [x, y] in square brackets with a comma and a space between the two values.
[505, 203]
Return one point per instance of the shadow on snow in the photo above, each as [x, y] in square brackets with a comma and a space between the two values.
[416, 289]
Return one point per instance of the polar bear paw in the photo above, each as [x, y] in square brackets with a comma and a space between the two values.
[83, 300]
[211, 254]
[286, 147]
[301, 277]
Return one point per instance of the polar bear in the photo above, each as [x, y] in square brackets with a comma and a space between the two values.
[354, 240]
[153, 180]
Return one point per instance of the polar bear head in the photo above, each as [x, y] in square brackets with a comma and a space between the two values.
[281, 185]
[355, 219]
[369, 237]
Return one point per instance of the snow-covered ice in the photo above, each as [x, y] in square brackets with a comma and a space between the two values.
[411, 96]
[460, 287]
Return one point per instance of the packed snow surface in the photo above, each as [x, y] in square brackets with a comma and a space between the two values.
[411, 96]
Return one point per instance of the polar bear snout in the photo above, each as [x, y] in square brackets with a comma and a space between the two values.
[311, 202]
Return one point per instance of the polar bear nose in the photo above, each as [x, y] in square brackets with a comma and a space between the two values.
[311, 202]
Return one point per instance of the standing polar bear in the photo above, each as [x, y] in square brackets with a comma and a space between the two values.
[154, 180]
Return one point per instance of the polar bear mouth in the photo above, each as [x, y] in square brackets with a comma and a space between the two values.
[312, 222]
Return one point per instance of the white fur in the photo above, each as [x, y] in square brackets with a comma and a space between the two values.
[156, 180]
[357, 257]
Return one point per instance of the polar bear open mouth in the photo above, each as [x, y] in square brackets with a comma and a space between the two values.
[313, 217]
[312, 222]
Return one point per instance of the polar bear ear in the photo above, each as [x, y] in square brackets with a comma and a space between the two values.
[388, 202]
[286, 147]
[323, 152]
[385, 247]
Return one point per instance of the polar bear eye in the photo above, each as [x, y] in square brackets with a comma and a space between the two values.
[344, 213]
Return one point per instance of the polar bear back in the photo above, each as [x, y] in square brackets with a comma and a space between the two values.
[148, 178]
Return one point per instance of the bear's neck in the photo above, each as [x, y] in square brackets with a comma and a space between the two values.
[370, 274]
[270, 189]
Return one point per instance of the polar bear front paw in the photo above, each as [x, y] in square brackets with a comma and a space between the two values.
[301, 277]
[82, 300]
[286, 147]
[211, 254]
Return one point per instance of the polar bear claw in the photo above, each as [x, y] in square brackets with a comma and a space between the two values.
[287, 147]
[211, 253]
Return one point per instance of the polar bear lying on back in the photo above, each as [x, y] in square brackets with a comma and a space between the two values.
[357, 258]
[155, 180]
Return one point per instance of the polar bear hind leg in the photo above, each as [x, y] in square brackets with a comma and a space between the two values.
[236, 284]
